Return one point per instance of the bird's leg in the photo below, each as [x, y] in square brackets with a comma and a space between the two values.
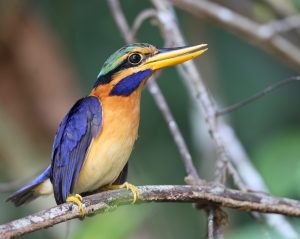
[128, 186]
[77, 199]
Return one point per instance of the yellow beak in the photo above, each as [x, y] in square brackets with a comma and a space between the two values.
[173, 56]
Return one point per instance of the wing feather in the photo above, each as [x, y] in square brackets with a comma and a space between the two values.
[71, 143]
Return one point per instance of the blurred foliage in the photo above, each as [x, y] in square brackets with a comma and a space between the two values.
[114, 225]
[233, 69]
[262, 12]
[281, 150]
[253, 231]
[297, 4]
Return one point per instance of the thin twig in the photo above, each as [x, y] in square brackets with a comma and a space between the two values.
[286, 24]
[257, 96]
[210, 225]
[109, 200]
[242, 26]
[237, 180]
[215, 219]
[140, 19]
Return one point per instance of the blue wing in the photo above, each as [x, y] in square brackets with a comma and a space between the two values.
[71, 143]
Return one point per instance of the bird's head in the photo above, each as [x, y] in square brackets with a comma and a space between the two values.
[127, 69]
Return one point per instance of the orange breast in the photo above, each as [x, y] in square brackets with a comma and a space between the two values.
[110, 151]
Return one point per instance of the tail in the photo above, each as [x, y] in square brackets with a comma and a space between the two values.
[29, 192]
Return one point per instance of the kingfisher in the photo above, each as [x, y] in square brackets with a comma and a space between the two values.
[95, 139]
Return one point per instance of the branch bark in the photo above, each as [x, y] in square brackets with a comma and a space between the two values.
[102, 202]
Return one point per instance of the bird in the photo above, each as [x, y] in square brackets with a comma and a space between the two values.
[94, 140]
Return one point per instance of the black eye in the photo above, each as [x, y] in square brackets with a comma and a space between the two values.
[135, 58]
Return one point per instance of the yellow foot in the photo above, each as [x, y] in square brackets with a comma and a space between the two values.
[128, 186]
[77, 199]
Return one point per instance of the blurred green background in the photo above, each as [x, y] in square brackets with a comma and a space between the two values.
[50, 55]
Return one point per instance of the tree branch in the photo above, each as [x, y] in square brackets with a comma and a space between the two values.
[286, 24]
[259, 34]
[102, 202]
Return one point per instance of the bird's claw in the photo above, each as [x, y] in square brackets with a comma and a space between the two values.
[135, 191]
[77, 199]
